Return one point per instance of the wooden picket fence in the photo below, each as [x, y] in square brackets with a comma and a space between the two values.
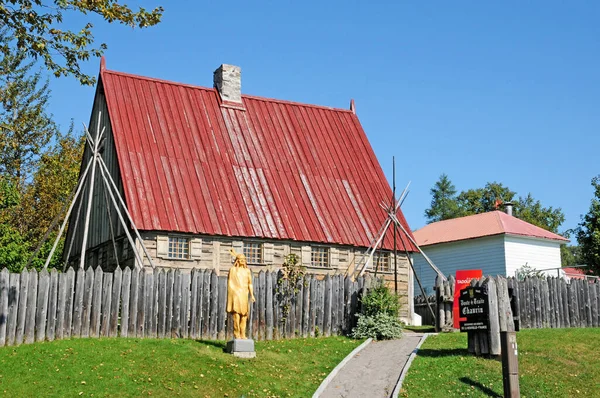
[165, 303]
[546, 302]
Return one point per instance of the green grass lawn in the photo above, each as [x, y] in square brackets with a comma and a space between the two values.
[136, 367]
[552, 363]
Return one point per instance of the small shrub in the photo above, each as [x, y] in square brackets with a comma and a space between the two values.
[379, 300]
[379, 318]
[379, 327]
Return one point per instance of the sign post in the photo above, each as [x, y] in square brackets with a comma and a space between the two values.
[474, 309]
[463, 279]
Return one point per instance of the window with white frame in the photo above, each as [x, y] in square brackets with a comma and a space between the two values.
[253, 252]
[381, 262]
[179, 247]
[319, 256]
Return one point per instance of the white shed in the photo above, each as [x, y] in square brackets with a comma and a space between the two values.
[494, 242]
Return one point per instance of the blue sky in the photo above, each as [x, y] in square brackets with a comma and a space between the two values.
[506, 92]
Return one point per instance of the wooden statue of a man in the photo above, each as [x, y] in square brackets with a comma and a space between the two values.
[239, 286]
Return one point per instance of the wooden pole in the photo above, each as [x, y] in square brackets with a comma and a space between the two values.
[418, 280]
[131, 241]
[64, 224]
[395, 229]
[510, 365]
[137, 234]
[86, 225]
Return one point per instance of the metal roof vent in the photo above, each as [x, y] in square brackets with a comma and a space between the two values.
[508, 208]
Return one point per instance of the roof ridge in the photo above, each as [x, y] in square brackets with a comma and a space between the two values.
[248, 96]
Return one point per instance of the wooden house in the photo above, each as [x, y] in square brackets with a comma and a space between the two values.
[204, 170]
[495, 242]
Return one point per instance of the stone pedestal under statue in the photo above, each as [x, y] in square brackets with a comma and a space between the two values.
[241, 348]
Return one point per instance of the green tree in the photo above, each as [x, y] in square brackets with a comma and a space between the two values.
[531, 210]
[25, 126]
[588, 231]
[445, 204]
[481, 200]
[40, 30]
[443, 201]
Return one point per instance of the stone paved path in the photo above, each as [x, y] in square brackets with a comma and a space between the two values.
[374, 371]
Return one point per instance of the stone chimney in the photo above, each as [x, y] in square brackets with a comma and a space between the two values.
[508, 208]
[228, 81]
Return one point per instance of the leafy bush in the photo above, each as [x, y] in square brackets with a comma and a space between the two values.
[379, 317]
[527, 271]
[379, 300]
[379, 327]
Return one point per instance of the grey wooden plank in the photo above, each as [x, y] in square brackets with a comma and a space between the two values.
[60, 306]
[115, 302]
[52, 302]
[78, 299]
[148, 301]
[588, 304]
[214, 304]
[275, 303]
[4, 286]
[556, 298]
[298, 303]
[327, 299]
[320, 306]
[155, 294]
[42, 305]
[140, 312]
[162, 304]
[594, 303]
[494, 331]
[268, 306]
[563, 307]
[221, 308]
[88, 295]
[176, 326]
[206, 304]
[32, 294]
[69, 302]
[185, 304]
[199, 303]
[194, 304]
[341, 301]
[580, 303]
[305, 306]
[335, 292]
[262, 304]
[106, 303]
[545, 302]
[22, 310]
[96, 314]
[170, 277]
[134, 292]
[125, 299]
[253, 318]
[347, 304]
[13, 307]
[312, 321]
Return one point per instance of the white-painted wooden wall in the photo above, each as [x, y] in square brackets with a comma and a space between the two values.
[494, 255]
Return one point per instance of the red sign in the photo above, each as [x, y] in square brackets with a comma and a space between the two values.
[463, 279]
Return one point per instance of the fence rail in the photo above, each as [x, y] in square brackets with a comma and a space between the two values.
[165, 303]
[546, 302]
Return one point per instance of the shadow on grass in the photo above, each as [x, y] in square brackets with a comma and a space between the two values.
[425, 352]
[486, 390]
[217, 344]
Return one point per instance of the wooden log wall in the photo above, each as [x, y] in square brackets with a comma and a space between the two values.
[545, 302]
[166, 303]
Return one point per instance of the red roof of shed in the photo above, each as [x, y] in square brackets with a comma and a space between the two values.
[277, 169]
[480, 225]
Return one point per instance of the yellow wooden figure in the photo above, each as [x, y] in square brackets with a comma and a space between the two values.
[239, 285]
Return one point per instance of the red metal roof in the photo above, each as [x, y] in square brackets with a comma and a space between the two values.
[275, 169]
[479, 225]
